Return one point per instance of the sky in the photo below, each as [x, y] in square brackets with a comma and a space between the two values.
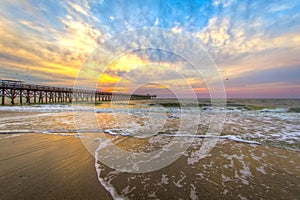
[152, 46]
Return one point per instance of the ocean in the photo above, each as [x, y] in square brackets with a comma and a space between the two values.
[178, 149]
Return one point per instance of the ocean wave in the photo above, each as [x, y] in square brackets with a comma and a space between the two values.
[275, 110]
[54, 132]
[223, 137]
[116, 132]
[15, 131]
[46, 108]
[294, 110]
[106, 184]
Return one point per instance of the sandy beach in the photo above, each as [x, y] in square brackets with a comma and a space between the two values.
[37, 166]
[43, 157]
[40, 166]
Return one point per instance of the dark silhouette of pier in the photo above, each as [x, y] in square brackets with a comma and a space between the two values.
[19, 93]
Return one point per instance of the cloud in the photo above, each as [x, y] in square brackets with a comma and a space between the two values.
[265, 90]
[156, 21]
[278, 6]
[43, 48]
[235, 48]
[287, 75]
[248, 40]
[224, 3]
[78, 8]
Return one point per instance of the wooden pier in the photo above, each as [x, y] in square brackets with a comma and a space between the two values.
[19, 93]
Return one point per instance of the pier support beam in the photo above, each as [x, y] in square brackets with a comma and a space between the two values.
[13, 96]
[28, 96]
[21, 97]
[3, 96]
[34, 97]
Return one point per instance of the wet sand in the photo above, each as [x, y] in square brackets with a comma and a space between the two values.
[36, 166]
[49, 166]
[231, 170]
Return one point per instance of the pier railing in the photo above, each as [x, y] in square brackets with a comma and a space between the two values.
[17, 92]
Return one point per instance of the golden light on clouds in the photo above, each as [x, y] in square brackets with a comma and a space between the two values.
[49, 42]
[128, 63]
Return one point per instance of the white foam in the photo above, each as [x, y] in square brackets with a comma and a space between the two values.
[278, 110]
[241, 197]
[246, 172]
[152, 195]
[178, 183]
[261, 170]
[164, 179]
[193, 193]
[116, 132]
[46, 108]
[124, 132]
[237, 139]
[225, 178]
[228, 137]
[127, 190]
[11, 136]
[106, 184]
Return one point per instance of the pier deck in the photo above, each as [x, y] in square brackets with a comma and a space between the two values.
[17, 92]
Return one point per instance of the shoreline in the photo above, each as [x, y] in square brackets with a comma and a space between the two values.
[49, 161]
[39, 166]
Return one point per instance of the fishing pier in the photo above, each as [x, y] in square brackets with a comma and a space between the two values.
[16, 92]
